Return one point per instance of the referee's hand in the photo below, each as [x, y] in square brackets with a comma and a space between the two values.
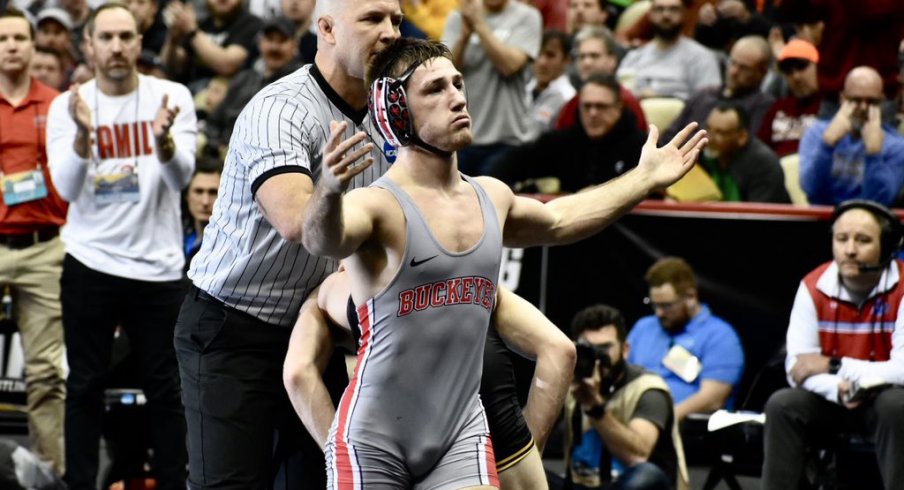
[340, 164]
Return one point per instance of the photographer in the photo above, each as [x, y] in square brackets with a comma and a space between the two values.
[618, 415]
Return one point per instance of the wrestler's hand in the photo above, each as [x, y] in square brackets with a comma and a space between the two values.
[665, 166]
[340, 162]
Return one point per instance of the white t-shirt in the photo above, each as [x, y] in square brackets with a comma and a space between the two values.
[679, 71]
[137, 240]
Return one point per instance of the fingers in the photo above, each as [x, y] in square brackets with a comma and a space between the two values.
[336, 130]
[695, 143]
[873, 113]
[75, 98]
[847, 107]
[652, 135]
[342, 148]
[682, 135]
[171, 112]
[346, 172]
[349, 160]
[690, 159]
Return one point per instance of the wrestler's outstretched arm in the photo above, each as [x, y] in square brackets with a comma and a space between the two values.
[526, 330]
[310, 348]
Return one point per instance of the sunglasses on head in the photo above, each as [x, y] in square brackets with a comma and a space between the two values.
[791, 65]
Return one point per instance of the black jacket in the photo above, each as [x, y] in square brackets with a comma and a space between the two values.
[573, 157]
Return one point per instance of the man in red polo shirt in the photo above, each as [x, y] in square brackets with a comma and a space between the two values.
[31, 253]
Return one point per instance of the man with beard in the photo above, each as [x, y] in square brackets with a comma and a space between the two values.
[670, 65]
[121, 149]
[853, 155]
[221, 44]
[683, 333]
[617, 413]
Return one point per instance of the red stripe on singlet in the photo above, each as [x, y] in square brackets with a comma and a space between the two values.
[346, 473]
[491, 463]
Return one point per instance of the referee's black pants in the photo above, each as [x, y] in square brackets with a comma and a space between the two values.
[242, 430]
[93, 304]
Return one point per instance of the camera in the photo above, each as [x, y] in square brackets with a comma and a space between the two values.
[587, 355]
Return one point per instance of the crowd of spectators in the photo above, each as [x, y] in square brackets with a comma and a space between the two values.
[783, 63]
[557, 89]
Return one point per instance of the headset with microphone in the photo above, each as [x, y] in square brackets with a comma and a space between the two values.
[892, 232]
[387, 104]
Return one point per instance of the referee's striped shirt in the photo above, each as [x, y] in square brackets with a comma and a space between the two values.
[243, 261]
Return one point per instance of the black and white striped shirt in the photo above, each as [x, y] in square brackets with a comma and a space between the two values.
[243, 261]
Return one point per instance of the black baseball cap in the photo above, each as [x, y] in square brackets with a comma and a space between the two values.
[281, 25]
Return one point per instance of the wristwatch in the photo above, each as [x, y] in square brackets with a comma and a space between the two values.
[834, 365]
[596, 412]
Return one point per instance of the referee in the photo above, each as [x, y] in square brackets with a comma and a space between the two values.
[252, 274]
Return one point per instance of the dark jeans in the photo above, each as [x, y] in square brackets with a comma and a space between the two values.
[94, 303]
[643, 476]
[797, 419]
[242, 430]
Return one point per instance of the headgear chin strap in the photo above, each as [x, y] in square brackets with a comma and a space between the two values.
[388, 107]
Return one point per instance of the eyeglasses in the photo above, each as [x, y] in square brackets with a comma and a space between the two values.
[791, 65]
[664, 306]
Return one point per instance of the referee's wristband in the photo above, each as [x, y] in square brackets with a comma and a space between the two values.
[596, 412]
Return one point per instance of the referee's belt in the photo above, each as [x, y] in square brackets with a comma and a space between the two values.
[204, 295]
[19, 241]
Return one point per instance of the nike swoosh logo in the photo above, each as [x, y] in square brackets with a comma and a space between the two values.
[414, 262]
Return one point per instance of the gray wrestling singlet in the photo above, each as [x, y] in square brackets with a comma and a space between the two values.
[411, 416]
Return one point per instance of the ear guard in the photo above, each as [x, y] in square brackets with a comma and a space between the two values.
[388, 108]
